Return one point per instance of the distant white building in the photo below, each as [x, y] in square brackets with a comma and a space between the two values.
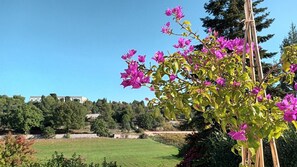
[81, 99]
[92, 116]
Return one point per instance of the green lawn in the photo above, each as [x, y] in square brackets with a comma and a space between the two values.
[127, 152]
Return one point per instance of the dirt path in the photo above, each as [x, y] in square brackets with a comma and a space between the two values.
[152, 133]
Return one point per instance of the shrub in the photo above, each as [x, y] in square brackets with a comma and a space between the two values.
[67, 136]
[59, 160]
[213, 148]
[207, 149]
[143, 136]
[145, 121]
[48, 132]
[99, 127]
[108, 164]
[16, 151]
[177, 140]
[168, 127]
[139, 130]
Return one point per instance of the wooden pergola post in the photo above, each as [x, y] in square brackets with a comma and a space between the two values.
[254, 57]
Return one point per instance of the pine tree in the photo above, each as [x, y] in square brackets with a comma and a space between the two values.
[227, 18]
[291, 38]
[283, 88]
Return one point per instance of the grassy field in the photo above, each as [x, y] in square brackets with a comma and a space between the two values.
[127, 152]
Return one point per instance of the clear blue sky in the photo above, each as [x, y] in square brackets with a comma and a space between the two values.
[73, 47]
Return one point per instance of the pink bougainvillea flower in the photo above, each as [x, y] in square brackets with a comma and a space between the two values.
[215, 33]
[221, 81]
[172, 77]
[126, 83]
[181, 43]
[293, 68]
[188, 42]
[260, 98]
[135, 84]
[256, 90]
[289, 106]
[204, 50]
[207, 83]
[268, 97]
[147, 99]
[141, 58]
[243, 126]
[166, 29]
[168, 12]
[124, 75]
[124, 57]
[236, 84]
[129, 54]
[219, 54]
[159, 57]
[295, 86]
[221, 41]
[235, 45]
[133, 76]
[177, 11]
[239, 135]
[191, 48]
[167, 24]
[152, 88]
[209, 30]
[290, 116]
[145, 79]
[283, 105]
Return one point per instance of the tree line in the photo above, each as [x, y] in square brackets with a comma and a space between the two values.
[63, 115]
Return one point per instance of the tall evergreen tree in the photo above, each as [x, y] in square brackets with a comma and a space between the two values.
[291, 38]
[283, 88]
[227, 18]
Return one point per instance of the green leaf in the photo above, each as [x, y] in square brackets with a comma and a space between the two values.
[289, 79]
[295, 124]
[223, 125]
[188, 67]
[167, 112]
[186, 22]
[272, 81]
[188, 29]
[286, 66]
[227, 99]
[179, 103]
[175, 67]
[233, 121]
[253, 152]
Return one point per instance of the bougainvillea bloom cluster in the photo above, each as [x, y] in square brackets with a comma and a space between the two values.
[166, 29]
[177, 12]
[159, 57]
[239, 135]
[293, 68]
[185, 45]
[227, 45]
[289, 106]
[256, 90]
[221, 81]
[133, 76]
[129, 55]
